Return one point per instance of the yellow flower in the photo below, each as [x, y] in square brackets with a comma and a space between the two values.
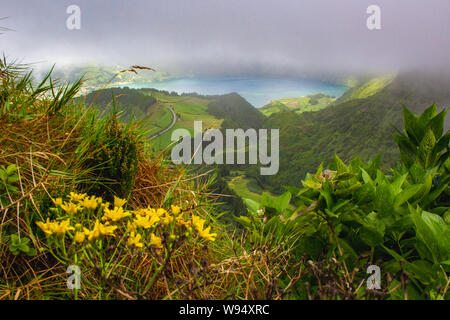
[175, 209]
[160, 212]
[105, 205]
[167, 218]
[155, 241]
[90, 202]
[115, 215]
[106, 229]
[99, 230]
[183, 222]
[59, 228]
[146, 222]
[46, 227]
[58, 201]
[206, 235]
[79, 237]
[135, 240]
[198, 223]
[63, 227]
[70, 207]
[141, 212]
[131, 226]
[119, 202]
[77, 197]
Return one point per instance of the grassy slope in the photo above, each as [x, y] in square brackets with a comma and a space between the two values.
[188, 110]
[240, 185]
[313, 102]
[365, 89]
[316, 102]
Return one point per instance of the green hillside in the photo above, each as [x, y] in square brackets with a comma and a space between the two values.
[358, 127]
[237, 112]
[312, 102]
[365, 89]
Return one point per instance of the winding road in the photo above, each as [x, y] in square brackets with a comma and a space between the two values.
[174, 121]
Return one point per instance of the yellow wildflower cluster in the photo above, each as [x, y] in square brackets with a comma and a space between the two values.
[115, 215]
[77, 202]
[139, 227]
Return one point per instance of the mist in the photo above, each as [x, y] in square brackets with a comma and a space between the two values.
[219, 37]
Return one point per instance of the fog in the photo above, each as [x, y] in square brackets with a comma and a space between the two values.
[288, 37]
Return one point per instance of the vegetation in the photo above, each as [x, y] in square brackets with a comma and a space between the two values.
[308, 103]
[54, 151]
[80, 186]
[236, 111]
[365, 89]
[348, 217]
[362, 127]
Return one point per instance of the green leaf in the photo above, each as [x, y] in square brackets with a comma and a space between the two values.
[252, 205]
[371, 236]
[328, 198]
[366, 177]
[279, 203]
[428, 114]
[245, 221]
[17, 246]
[434, 233]
[312, 184]
[293, 190]
[384, 199]
[3, 175]
[13, 178]
[407, 194]
[337, 164]
[11, 169]
[412, 126]
[372, 231]
[437, 123]
[345, 176]
[431, 196]
[426, 148]
[397, 183]
[442, 143]
[405, 146]
[422, 270]
[282, 202]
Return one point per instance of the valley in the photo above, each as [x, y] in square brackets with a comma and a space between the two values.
[312, 127]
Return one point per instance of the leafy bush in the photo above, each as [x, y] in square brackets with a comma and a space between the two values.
[352, 216]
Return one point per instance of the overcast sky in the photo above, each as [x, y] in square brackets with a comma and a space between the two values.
[231, 36]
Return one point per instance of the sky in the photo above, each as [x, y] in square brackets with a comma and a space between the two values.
[288, 37]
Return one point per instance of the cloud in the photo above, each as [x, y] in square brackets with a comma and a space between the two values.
[232, 36]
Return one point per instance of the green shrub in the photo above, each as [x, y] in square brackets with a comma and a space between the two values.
[350, 216]
[112, 156]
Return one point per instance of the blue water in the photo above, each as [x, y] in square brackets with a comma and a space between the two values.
[258, 91]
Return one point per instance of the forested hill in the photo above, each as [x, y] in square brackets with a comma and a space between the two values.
[237, 112]
[130, 101]
[356, 127]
